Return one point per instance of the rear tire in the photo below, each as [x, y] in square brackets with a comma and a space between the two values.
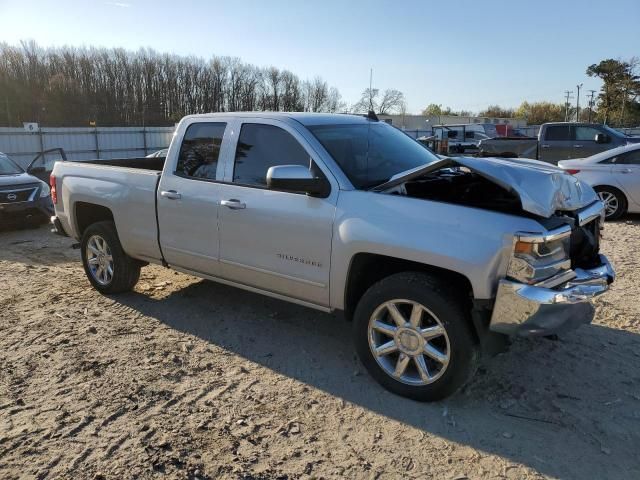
[615, 202]
[107, 266]
[424, 356]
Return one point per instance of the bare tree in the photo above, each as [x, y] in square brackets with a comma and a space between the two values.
[367, 101]
[390, 102]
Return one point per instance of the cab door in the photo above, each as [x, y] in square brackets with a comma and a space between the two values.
[188, 198]
[274, 240]
[585, 143]
[557, 144]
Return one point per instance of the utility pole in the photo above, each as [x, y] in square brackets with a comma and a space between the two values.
[567, 96]
[591, 103]
[578, 103]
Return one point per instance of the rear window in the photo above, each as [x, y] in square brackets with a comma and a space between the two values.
[558, 133]
[200, 150]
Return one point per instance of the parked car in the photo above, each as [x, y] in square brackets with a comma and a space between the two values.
[433, 259]
[615, 176]
[24, 197]
[558, 141]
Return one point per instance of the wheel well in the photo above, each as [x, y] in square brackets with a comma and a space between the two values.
[611, 187]
[90, 213]
[367, 269]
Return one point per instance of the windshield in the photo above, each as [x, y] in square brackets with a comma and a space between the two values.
[370, 154]
[8, 167]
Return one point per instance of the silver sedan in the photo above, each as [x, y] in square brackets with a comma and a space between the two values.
[614, 174]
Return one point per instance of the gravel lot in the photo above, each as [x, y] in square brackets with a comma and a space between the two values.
[184, 378]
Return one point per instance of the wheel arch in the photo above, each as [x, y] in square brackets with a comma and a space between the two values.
[86, 214]
[625, 199]
[366, 269]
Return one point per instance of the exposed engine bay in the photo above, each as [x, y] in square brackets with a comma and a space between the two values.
[461, 186]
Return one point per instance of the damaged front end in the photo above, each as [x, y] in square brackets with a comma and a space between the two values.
[553, 273]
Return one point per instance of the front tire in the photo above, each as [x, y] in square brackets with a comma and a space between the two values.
[107, 266]
[615, 203]
[414, 336]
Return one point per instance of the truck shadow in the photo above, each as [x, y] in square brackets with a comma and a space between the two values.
[567, 408]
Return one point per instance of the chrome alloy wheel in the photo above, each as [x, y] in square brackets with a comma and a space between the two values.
[409, 342]
[100, 260]
[611, 202]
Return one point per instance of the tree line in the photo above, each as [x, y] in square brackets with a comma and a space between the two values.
[70, 86]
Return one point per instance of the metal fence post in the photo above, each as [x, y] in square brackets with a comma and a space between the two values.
[144, 139]
[95, 131]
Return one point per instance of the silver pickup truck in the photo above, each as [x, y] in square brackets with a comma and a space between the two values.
[434, 260]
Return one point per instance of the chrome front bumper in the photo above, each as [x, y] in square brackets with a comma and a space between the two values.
[533, 310]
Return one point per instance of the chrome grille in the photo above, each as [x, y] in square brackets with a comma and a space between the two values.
[24, 193]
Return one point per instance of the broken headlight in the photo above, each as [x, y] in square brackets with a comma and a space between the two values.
[539, 257]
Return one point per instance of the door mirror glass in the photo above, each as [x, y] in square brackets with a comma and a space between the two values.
[298, 179]
[602, 138]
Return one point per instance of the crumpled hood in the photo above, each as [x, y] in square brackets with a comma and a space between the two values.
[542, 188]
[17, 180]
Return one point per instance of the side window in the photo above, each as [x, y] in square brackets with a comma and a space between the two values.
[586, 133]
[630, 158]
[558, 133]
[200, 150]
[261, 147]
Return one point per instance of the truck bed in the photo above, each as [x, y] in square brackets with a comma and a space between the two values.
[126, 187]
[144, 163]
[521, 147]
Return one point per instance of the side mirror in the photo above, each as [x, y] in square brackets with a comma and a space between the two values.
[602, 138]
[296, 178]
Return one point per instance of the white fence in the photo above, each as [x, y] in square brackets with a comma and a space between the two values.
[84, 143]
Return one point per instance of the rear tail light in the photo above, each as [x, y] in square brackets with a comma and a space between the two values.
[54, 193]
[572, 171]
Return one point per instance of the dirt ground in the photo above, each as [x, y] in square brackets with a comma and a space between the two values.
[184, 378]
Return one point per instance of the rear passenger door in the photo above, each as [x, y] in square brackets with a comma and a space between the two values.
[557, 144]
[273, 240]
[188, 199]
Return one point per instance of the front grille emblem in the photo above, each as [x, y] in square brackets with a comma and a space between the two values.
[11, 197]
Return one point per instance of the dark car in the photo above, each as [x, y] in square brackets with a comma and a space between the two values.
[24, 197]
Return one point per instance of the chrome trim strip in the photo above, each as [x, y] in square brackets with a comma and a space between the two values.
[590, 213]
[270, 272]
[558, 279]
[555, 234]
[254, 289]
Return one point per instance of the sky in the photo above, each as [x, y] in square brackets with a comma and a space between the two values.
[463, 54]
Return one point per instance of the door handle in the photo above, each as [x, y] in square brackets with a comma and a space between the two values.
[545, 146]
[626, 170]
[170, 194]
[233, 204]
[578, 146]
